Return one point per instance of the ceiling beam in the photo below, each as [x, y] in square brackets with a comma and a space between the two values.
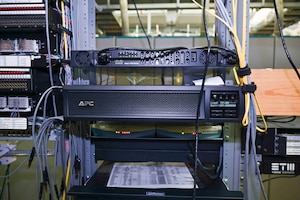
[148, 6]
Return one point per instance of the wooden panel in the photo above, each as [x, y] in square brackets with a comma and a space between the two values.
[278, 91]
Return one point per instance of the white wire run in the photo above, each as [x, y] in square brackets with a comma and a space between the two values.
[251, 128]
[252, 136]
[222, 12]
[41, 149]
[37, 136]
[223, 16]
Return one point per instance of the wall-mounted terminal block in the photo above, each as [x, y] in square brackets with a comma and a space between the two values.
[15, 104]
[3, 102]
[18, 102]
[12, 123]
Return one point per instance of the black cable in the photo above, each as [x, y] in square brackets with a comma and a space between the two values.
[137, 12]
[277, 119]
[165, 50]
[196, 161]
[4, 181]
[229, 51]
[279, 177]
[283, 41]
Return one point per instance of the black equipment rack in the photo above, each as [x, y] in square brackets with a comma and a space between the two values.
[152, 104]
[103, 104]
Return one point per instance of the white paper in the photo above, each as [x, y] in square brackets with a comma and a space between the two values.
[216, 80]
[150, 175]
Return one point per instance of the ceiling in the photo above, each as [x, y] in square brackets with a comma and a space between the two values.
[183, 17]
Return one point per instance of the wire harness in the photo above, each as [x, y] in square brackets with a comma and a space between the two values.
[242, 77]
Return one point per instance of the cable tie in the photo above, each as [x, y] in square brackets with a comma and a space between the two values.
[245, 71]
[62, 186]
[45, 182]
[249, 88]
[31, 157]
[41, 191]
[56, 191]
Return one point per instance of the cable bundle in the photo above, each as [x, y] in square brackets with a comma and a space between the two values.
[40, 139]
[243, 80]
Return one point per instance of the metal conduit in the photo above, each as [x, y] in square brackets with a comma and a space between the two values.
[124, 16]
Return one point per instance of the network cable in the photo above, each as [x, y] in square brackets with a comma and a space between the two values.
[137, 12]
[49, 53]
[36, 137]
[200, 96]
[4, 182]
[250, 98]
[283, 40]
[16, 169]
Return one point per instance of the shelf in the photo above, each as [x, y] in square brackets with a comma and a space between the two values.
[96, 188]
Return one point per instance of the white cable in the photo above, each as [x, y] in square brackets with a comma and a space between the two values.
[246, 163]
[253, 120]
[250, 139]
[41, 148]
[49, 53]
[75, 33]
[33, 127]
[223, 12]
[55, 162]
[47, 165]
[15, 170]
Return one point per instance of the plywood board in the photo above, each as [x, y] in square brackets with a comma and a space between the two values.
[278, 91]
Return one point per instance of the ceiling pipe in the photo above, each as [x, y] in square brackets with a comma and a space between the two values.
[124, 16]
[148, 23]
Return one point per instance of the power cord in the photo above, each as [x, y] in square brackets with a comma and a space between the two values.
[283, 40]
[201, 92]
[137, 12]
